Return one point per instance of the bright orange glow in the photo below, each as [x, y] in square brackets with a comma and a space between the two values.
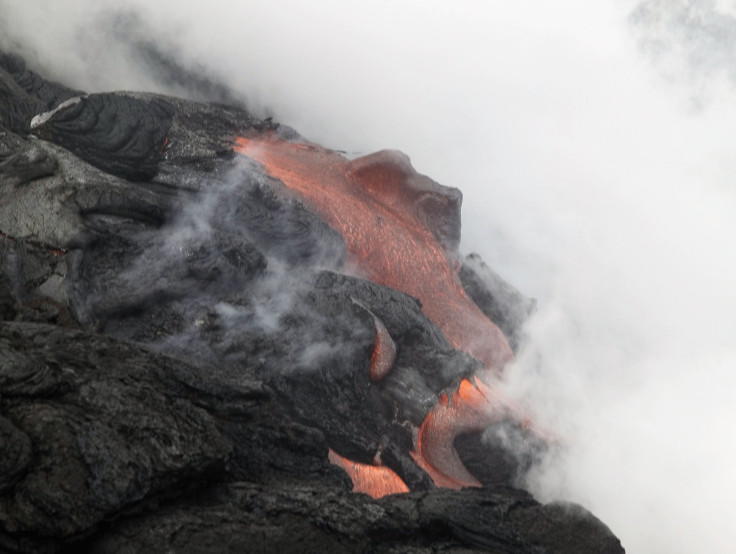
[377, 481]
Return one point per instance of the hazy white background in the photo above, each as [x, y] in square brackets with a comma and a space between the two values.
[594, 143]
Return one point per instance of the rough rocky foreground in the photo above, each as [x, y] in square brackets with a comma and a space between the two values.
[180, 347]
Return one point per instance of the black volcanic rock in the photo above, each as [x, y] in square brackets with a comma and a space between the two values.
[93, 427]
[105, 432]
[179, 350]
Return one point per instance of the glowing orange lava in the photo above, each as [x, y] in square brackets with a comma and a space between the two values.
[377, 481]
[385, 211]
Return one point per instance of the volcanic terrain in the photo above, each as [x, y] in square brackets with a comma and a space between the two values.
[217, 336]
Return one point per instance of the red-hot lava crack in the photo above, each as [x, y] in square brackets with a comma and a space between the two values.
[384, 217]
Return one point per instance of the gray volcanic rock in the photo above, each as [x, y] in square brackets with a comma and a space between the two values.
[179, 350]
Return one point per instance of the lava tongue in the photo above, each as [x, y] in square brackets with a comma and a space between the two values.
[375, 480]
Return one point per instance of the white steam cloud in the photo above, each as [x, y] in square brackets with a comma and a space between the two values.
[589, 181]
[693, 41]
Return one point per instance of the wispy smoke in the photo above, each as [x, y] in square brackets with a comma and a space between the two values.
[692, 41]
[588, 184]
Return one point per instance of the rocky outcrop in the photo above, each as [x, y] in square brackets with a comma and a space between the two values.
[182, 342]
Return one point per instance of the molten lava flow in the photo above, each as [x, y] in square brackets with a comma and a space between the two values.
[387, 237]
[377, 481]
[386, 213]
